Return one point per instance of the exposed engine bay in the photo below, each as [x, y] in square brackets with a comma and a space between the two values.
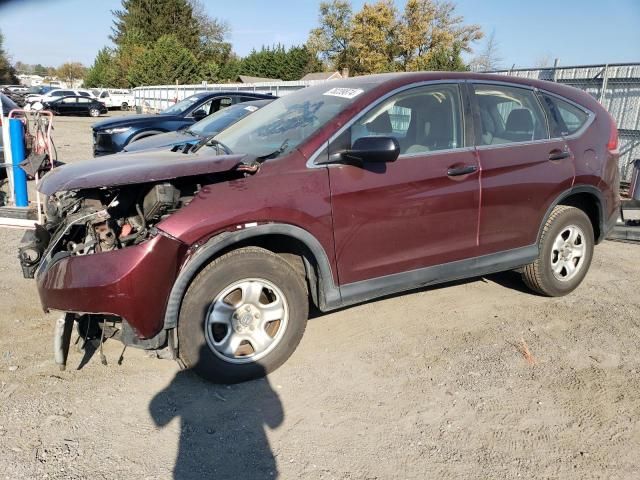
[86, 222]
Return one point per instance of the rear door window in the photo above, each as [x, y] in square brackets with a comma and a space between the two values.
[509, 115]
[565, 118]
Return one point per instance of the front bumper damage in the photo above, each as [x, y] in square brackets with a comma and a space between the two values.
[132, 283]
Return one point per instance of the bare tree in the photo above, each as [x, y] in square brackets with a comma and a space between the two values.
[489, 58]
[543, 61]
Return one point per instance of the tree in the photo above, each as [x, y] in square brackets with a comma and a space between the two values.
[148, 20]
[543, 61]
[278, 62]
[377, 39]
[230, 70]
[374, 38]
[71, 71]
[330, 41]
[7, 72]
[213, 34]
[431, 28]
[489, 58]
[103, 71]
[166, 62]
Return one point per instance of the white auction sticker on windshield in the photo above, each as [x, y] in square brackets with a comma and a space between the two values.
[344, 92]
[251, 108]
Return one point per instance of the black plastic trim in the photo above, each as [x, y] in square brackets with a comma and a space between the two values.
[329, 293]
[496, 262]
[603, 222]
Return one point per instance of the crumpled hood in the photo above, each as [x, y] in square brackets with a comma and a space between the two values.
[136, 167]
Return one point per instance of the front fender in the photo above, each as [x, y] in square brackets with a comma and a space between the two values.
[207, 252]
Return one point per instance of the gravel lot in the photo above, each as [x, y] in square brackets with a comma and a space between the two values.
[429, 384]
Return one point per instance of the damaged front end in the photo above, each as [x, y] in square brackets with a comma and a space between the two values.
[100, 252]
[100, 256]
[91, 221]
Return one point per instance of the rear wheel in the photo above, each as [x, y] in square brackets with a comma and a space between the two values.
[124, 106]
[566, 249]
[242, 317]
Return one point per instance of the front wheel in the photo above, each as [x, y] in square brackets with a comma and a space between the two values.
[94, 112]
[566, 249]
[242, 317]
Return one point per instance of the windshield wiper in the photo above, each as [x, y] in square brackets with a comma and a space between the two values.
[250, 168]
[275, 153]
[212, 142]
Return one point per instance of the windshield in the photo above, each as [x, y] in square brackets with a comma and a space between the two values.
[288, 121]
[221, 119]
[182, 106]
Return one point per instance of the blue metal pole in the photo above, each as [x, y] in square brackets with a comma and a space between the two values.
[16, 136]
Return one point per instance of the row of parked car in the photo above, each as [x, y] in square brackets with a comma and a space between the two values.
[331, 195]
[69, 101]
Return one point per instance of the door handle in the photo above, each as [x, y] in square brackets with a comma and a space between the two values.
[559, 154]
[457, 171]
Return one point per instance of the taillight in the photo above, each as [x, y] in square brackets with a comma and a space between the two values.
[612, 144]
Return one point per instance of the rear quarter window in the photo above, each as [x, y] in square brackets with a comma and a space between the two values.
[565, 118]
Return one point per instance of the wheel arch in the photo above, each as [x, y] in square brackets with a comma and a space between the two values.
[586, 198]
[295, 244]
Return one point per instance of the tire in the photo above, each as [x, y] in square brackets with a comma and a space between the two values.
[567, 233]
[206, 323]
[94, 112]
[124, 106]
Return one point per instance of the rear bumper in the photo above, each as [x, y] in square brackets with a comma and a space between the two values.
[132, 283]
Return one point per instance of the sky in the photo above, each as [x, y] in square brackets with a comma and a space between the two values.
[576, 32]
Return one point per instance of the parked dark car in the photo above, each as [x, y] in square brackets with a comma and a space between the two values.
[211, 125]
[111, 136]
[76, 105]
[332, 195]
[7, 106]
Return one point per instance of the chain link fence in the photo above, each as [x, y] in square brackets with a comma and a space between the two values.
[616, 86]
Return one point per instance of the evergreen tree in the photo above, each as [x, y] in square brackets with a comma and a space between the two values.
[103, 71]
[148, 20]
[278, 62]
[166, 62]
[7, 72]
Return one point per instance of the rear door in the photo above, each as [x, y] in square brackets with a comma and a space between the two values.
[523, 168]
[68, 106]
[84, 104]
[421, 210]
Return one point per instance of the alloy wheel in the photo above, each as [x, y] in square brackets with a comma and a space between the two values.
[567, 253]
[246, 320]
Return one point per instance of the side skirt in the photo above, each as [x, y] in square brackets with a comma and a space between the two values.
[365, 290]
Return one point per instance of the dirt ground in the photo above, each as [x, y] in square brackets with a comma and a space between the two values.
[425, 385]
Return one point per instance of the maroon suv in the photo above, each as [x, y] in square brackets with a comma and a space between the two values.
[332, 195]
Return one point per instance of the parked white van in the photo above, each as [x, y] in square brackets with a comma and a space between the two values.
[114, 97]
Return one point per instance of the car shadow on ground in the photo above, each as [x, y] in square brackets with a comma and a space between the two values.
[222, 429]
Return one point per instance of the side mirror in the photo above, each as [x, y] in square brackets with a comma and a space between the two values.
[370, 150]
[199, 115]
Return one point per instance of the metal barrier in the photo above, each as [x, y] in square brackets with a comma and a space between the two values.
[616, 86]
[158, 97]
